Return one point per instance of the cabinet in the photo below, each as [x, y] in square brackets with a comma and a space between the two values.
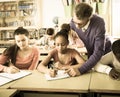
[15, 13]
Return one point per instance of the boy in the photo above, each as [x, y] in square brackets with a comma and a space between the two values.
[48, 39]
[112, 58]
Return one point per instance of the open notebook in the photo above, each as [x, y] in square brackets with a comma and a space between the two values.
[60, 75]
[7, 77]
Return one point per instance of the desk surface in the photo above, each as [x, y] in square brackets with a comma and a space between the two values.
[94, 82]
[102, 83]
[7, 85]
[7, 92]
[37, 82]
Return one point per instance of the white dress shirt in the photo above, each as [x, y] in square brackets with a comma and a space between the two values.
[102, 65]
[86, 26]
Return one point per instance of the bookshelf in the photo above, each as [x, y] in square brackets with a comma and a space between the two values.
[16, 13]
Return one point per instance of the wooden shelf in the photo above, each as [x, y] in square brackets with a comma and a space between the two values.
[14, 14]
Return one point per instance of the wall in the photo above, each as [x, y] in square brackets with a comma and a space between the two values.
[50, 9]
[116, 18]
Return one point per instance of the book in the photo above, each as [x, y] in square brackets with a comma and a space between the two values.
[4, 80]
[60, 75]
[7, 77]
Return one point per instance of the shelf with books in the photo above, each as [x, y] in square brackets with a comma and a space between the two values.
[26, 12]
[8, 13]
[16, 13]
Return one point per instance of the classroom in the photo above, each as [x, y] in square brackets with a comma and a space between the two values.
[59, 48]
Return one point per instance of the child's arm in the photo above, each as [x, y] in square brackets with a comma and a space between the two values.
[113, 73]
[35, 59]
[102, 65]
[73, 70]
[79, 60]
[42, 67]
[99, 67]
[77, 57]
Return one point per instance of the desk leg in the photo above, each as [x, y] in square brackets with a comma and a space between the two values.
[85, 95]
[92, 94]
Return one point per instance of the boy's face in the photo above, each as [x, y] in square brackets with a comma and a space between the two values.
[117, 55]
[61, 44]
[50, 37]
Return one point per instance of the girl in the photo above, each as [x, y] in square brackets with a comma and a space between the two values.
[63, 57]
[21, 55]
[73, 38]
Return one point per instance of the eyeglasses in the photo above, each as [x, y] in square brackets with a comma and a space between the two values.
[76, 22]
[81, 23]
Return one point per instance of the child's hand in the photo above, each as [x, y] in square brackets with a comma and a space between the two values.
[53, 72]
[114, 74]
[11, 69]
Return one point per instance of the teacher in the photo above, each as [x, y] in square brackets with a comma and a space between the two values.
[91, 30]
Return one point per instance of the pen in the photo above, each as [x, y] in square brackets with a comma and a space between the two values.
[53, 67]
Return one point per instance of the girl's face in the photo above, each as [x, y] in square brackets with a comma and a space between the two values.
[21, 41]
[61, 44]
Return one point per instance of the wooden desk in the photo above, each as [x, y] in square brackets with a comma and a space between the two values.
[7, 92]
[7, 85]
[37, 82]
[102, 83]
[45, 51]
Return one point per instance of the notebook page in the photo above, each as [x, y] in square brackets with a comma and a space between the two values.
[15, 76]
[60, 75]
[4, 80]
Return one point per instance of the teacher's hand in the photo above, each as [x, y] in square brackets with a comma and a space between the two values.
[73, 71]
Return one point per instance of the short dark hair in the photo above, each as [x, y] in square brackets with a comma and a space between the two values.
[116, 49]
[50, 31]
[83, 10]
[65, 26]
[21, 30]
